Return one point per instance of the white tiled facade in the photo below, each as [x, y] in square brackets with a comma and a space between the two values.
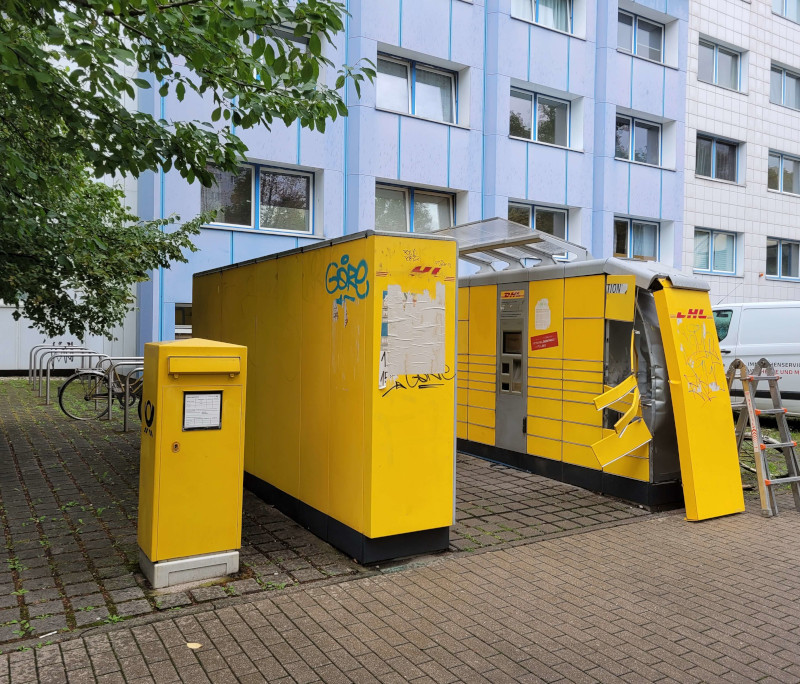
[747, 207]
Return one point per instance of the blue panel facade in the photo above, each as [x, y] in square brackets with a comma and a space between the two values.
[475, 161]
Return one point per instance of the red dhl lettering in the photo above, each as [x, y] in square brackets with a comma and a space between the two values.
[691, 313]
[422, 270]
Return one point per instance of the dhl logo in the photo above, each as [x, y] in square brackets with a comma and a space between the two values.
[423, 270]
[692, 313]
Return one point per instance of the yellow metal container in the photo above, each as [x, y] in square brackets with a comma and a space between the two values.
[625, 390]
[190, 478]
[351, 400]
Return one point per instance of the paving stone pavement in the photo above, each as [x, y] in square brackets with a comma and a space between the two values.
[658, 600]
[68, 507]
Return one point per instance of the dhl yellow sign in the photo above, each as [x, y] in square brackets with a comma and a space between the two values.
[513, 294]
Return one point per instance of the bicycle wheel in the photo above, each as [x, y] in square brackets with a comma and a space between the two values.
[84, 396]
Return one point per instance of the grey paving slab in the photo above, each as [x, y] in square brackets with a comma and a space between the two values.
[659, 599]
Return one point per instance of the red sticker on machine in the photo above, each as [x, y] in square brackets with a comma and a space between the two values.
[544, 341]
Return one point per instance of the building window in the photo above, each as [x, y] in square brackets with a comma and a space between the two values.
[403, 210]
[638, 141]
[714, 251]
[539, 118]
[640, 37]
[551, 221]
[783, 173]
[784, 87]
[282, 199]
[783, 258]
[716, 158]
[787, 8]
[635, 239]
[412, 88]
[718, 65]
[555, 14]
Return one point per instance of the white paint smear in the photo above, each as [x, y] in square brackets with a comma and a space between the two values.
[541, 315]
[416, 325]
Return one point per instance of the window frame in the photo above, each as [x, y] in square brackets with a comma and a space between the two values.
[533, 208]
[411, 66]
[717, 47]
[632, 137]
[784, 73]
[409, 194]
[782, 157]
[711, 267]
[633, 50]
[714, 139]
[535, 14]
[780, 275]
[783, 13]
[629, 238]
[255, 201]
[535, 118]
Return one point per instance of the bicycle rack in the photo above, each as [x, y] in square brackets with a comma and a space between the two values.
[36, 348]
[38, 360]
[116, 362]
[138, 369]
[81, 355]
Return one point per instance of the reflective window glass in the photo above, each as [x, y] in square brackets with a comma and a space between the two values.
[703, 156]
[431, 212]
[231, 196]
[519, 213]
[552, 222]
[705, 66]
[285, 201]
[433, 95]
[772, 257]
[791, 175]
[646, 143]
[620, 238]
[622, 138]
[725, 161]
[724, 252]
[648, 39]
[776, 86]
[702, 250]
[625, 32]
[644, 241]
[392, 88]
[552, 121]
[790, 260]
[728, 69]
[390, 209]
[521, 116]
[773, 172]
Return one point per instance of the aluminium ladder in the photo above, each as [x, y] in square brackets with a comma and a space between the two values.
[748, 413]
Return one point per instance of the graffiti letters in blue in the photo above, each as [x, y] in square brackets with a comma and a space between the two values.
[351, 281]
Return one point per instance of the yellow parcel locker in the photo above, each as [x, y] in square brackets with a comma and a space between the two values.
[190, 478]
[354, 388]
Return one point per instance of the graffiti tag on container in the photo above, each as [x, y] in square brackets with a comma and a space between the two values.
[420, 381]
[350, 280]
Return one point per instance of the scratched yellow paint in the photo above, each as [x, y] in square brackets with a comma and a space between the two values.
[712, 484]
[320, 428]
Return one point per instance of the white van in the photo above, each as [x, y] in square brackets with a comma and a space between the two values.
[769, 330]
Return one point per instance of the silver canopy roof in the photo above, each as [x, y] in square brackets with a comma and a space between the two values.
[485, 243]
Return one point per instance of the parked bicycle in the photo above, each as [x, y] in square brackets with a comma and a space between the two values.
[84, 395]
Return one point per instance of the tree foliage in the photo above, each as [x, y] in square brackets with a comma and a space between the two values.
[69, 251]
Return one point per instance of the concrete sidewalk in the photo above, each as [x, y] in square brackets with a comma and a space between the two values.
[658, 599]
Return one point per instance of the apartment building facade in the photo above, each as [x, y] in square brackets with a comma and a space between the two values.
[565, 115]
[742, 172]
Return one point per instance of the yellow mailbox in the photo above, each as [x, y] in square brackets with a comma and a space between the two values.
[190, 474]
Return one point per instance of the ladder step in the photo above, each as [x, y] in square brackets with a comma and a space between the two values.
[777, 445]
[770, 412]
[753, 378]
[782, 480]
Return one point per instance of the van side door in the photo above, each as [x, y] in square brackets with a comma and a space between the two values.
[727, 321]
